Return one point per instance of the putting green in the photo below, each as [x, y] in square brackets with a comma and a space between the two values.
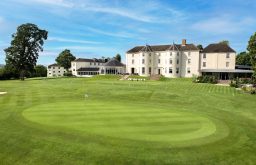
[134, 122]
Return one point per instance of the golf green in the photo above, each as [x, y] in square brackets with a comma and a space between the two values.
[124, 121]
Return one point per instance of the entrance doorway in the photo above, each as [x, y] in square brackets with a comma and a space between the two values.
[132, 70]
[159, 71]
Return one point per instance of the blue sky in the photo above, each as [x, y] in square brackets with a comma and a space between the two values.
[96, 28]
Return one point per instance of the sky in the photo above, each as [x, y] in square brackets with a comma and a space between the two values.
[96, 28]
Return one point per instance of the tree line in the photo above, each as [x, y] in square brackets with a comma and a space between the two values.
[22, 54]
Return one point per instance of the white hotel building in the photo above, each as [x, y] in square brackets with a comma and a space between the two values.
[183, 60]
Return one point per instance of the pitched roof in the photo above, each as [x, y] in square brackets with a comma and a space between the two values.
[187, 47]
[113, 62]
[88, 69]
[218, 48]
[89, 60]
[49, 66]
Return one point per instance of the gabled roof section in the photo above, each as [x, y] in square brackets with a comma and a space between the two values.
[114, 62]
[53, 65]
[176, 47]
[218, 48]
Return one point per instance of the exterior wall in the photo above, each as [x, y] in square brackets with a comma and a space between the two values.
[160, 62]
[76, 65]
[55, 71]
[218, 61]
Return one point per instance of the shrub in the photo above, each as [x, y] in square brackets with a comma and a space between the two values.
[206, 79]
[68, 74]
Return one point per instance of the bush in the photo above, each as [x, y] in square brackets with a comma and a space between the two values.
[68, 74]
[206, 79]
[235, 83]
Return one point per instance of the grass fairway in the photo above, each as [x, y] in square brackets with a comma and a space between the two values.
[105, 121]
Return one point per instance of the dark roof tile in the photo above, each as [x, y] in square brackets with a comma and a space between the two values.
[113, 62]
[147, 48]
[218, 48]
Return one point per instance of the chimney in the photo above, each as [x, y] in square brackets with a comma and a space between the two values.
[184, 42]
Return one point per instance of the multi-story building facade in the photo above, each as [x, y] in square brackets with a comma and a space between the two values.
[183, 60]
[54, 70]
[88, 67]
[176, 60]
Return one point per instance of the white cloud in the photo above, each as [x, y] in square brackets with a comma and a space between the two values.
[58, 39]
[61, 3]
[113, 34]
[223, 25]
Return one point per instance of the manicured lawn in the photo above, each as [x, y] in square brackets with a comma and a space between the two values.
[102, 120]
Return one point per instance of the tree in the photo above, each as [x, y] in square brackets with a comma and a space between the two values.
[40, 71]
[252, 50]
[224, 42]
[118, 57]
[200, 47]
[23, 53]
[64, 59]
[243, 58]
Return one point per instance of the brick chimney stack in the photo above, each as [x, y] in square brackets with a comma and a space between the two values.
[184, 42]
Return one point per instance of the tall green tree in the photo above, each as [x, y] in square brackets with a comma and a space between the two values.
[243, 58]
[25, 46]
[40, 71]
[118, 57]
[200, 47]
[252, 50]
[224, 42]
[64, 59]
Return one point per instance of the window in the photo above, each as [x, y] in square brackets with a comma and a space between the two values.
[150, 54]
[59, 71]
[204, 55]
[170, 53]
[170, 70]
[159, 61]
[178, 61]
[53, 71]
[74, 70]
[98, 63]
[149, 70]
[59, 67]
[143, 70]
[177, 70]
[178, 53]
[132, 61]
[170, 61]
[227, 55]
[189, 61]
[143, 54]
[227, 64]
[90, 63]
[150, 61]
[188, 70]
[143, 61]
[132, 55]
[73, 64]
[53, 67]
[189, 53]
[95, 63]
[204, 64]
